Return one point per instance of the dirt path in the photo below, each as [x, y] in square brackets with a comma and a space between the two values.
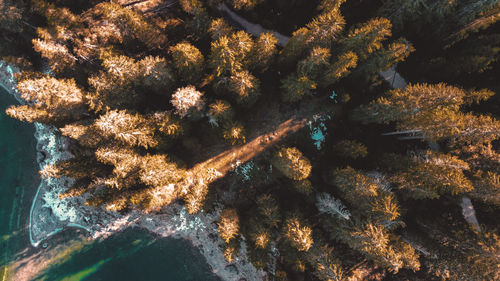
[266, 135]
[390, 75]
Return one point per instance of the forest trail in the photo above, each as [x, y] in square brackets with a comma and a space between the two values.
[226, 161]
[390, 75]
[266, 135]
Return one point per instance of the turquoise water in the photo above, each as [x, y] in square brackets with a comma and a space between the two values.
[133, 254]
[18, 180]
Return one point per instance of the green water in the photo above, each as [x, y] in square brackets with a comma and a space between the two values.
[133, 254]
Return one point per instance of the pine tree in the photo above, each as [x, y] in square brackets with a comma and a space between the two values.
[303, 186]
[431, 174]
[245, 87]
[126, 165]
[200, 21]
[340, 68]
[188, 61]
[129, 129]
[268, 208]
[432, 110]
[57, 54]
[484, 163]
[299, 235]
[218, 28]
[244, 4]
[131, 25]
[325, 28]
[261, 238]
[326, 267]
[126, 81]
[291, 162]
[220, 112]
[322, 31]
[351, 149]
[296, 88]
[114, 87]
[50, 100]
[367, 38]
[264, 51]
[234, 133]
[383, 59]
[163, 176]
[195, 198]
[327, 204]
[87, 135]
[228, 225]
[223, 59]
[10, 16]
[453, 20]
[357, 188]
[315, 64]
[387, 250]
[294, 48]
[187, 101]
[157, 77]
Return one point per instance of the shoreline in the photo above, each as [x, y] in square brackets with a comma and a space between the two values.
[49, 215]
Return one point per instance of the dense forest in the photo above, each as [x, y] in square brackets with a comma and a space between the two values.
[317, 164]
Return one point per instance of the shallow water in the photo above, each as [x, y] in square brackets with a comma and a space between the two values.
[133, 254]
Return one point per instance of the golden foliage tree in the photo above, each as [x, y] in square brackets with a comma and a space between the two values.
[291, 162]
[228, 225]
[299, 235]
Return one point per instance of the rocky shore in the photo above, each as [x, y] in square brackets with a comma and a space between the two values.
[50, 215]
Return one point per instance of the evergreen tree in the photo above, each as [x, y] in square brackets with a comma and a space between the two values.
[125, 81]
[234, 133]
[269, 210]
[228, 225]
[264, 51]
[188, 61]
[10, 16]
[340, 68]
[164, 177]
[325, 28]
[453, 21]
[299, 235]
[129, 129]
[291, 162]
[357, 188]
[326, 267]
[218, 28]
[431, 174]
[367, 38]
[220, 112]
[433, 110]
[387, 250]
[50, 100]
[231, 54]
[296, 88]
[245, 87]
[187, 101]
[244, 4]
[294, 48]
[351, 149]
[315, 64]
